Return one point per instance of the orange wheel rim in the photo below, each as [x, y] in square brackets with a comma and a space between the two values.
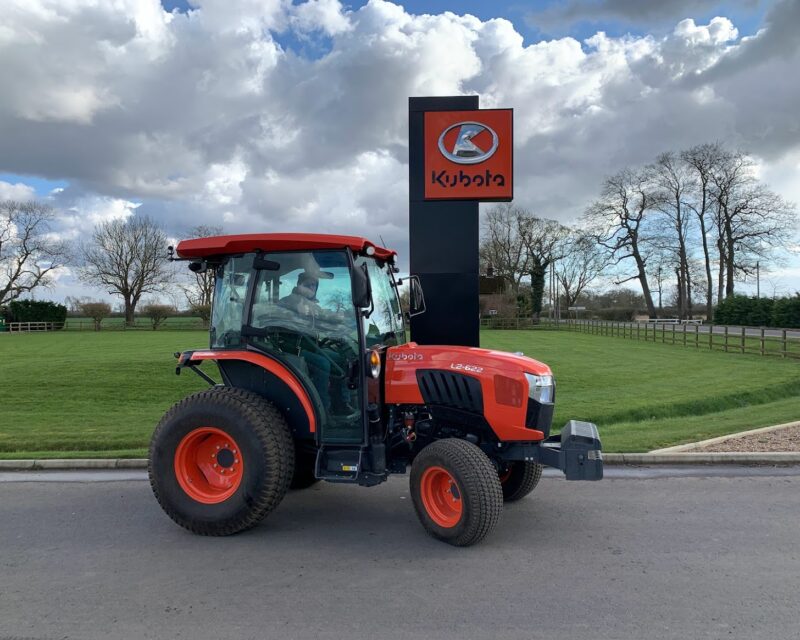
[441, 496]
[505, 475]
[208, 465]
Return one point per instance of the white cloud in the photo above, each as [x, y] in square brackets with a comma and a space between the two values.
[17, 191]
[323, 15]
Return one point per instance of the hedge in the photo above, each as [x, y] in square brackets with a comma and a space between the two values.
[759, 312]
[35, 311]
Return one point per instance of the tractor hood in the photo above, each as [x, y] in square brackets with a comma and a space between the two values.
[465, 359]
[493, 383]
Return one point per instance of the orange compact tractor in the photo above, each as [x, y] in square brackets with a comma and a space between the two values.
[320, 383]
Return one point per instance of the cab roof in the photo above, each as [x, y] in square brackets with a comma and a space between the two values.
[245, 243]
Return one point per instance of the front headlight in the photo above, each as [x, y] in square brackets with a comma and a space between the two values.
[540, 388]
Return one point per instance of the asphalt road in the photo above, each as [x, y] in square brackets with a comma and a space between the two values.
[663, 554]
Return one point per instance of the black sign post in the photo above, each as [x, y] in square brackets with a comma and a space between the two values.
[444, 239]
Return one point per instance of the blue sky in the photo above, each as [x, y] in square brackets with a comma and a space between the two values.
[42, 186]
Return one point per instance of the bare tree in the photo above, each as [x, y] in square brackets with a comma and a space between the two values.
[543, 241]
[129, 258]
[673, 182]
[751, 220]
[28, 251]
[702, 161]
[583, 262]
[620, 217]
[502, 247]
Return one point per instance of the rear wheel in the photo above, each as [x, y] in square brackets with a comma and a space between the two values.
[456, 492]
[519, 479]
[221, 460]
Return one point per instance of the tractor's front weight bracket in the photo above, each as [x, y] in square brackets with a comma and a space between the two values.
[576, 451]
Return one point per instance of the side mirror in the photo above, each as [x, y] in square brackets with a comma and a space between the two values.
[416, 297]
[362, 289]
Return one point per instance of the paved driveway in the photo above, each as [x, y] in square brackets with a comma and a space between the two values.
[665, 555]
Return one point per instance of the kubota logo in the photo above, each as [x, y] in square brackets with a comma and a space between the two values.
[464, 149]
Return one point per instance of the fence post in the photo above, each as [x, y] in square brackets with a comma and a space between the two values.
[697, 336]
[726, 338]
[711, 337]
[743, 336]
[638, 327]
[784, 353]
[762, 341]
[673, 334]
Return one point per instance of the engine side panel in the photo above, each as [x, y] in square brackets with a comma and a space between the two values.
[418, 374]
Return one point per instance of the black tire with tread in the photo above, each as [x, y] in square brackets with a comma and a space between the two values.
[523, 479]
[477, 482]
[267, 454]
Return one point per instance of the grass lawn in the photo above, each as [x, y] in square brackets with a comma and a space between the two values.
[82, 394]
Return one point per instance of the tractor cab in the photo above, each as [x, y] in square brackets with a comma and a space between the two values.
[319, 312]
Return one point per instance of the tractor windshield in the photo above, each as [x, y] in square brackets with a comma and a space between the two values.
[384, 326]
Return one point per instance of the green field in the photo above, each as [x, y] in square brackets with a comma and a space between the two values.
[82, 394]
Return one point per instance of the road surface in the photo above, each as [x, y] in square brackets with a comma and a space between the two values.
[668, 553]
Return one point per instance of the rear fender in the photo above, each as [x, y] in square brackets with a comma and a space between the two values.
[269, 378]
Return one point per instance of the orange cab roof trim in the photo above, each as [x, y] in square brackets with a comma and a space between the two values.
[245, 243]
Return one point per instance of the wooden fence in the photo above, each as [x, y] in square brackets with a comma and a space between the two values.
[111, 324]
[783, 343]
[17, 327]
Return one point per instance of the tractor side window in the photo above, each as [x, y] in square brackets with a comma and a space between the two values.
[230, 291]
[385, 324]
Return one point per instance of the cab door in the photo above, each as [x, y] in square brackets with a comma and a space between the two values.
[302, 314]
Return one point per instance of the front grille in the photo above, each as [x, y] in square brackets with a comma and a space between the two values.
[447, 389]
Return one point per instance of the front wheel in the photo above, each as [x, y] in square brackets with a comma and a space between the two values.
[221, 460]
[456, 492]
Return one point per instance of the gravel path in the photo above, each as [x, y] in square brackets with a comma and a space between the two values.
[787, 439]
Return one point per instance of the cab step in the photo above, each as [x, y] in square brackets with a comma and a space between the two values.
[339, 464]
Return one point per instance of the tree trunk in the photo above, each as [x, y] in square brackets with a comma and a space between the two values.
[721, 270]
[689, 309]
[648, 298]
[130, 307]
[709, 280]
[729, 266]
